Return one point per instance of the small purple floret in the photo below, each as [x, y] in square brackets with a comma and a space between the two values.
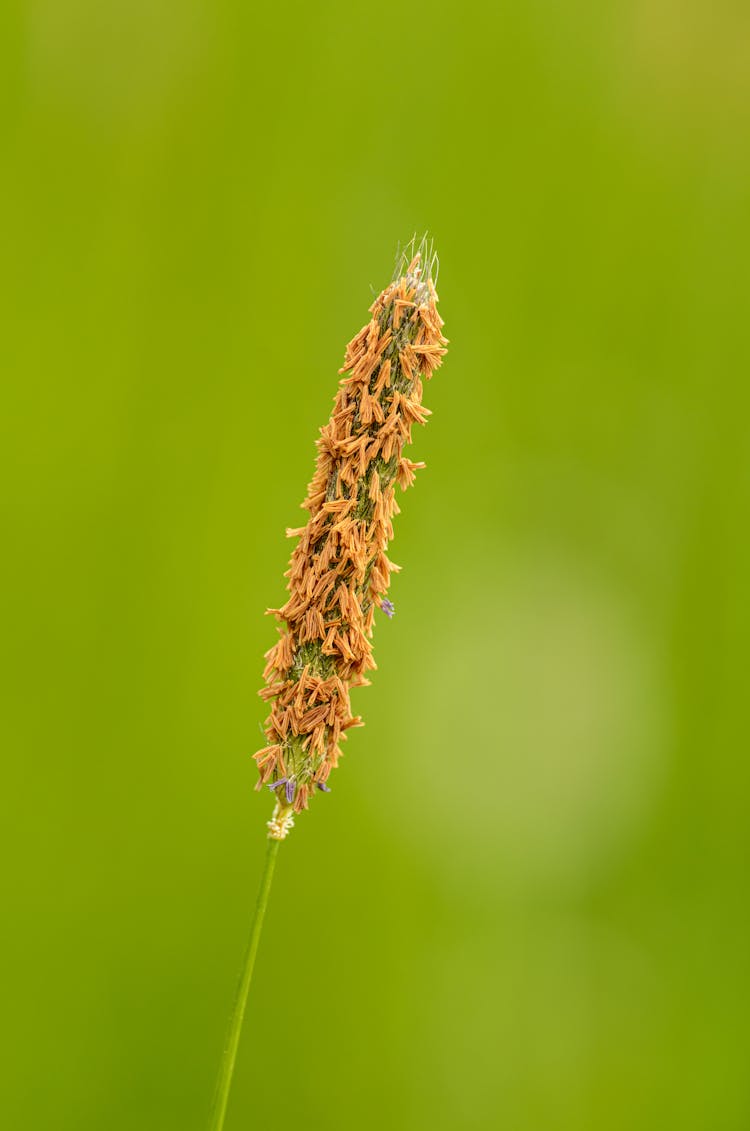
[322, 786]
[289, 788]
[388, 607]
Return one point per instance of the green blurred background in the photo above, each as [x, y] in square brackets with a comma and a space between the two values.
[525, 903]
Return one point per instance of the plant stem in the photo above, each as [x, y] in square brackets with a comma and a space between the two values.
[226, 1071]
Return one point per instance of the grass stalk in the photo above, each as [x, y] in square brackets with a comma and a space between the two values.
[226, 1071]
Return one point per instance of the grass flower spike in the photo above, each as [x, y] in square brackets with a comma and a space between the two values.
[339, 570]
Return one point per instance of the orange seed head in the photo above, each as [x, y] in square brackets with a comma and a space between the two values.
[339, 570]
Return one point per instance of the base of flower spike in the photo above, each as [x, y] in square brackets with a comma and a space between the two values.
[281, 822]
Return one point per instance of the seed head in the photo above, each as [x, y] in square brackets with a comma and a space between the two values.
[339, 570]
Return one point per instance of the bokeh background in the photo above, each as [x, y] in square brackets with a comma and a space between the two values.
[525, 903]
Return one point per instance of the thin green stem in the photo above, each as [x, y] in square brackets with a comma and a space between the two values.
[226, 1071]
